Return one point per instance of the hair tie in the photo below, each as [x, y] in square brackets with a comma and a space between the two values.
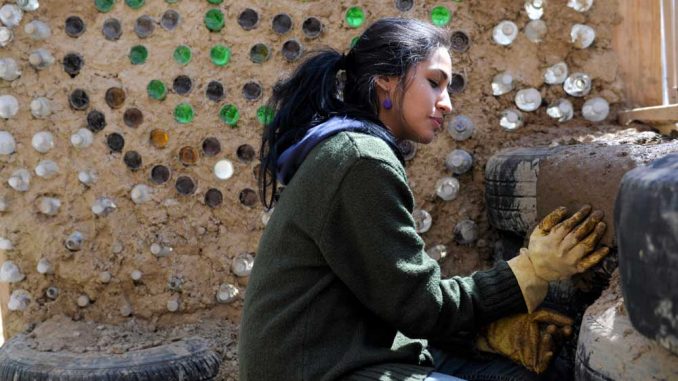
[340, 77]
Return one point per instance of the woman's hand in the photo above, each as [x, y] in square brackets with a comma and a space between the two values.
[557, 250]
[527, 339]
[561, 248]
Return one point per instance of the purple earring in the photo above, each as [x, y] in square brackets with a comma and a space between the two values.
[387, 103]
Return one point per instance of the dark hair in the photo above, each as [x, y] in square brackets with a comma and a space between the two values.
[310, 96]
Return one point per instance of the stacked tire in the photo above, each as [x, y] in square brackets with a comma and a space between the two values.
[610, 349]
[610, 345]
[646, 216]
[511, 188]
[185, 360]
[511, 178]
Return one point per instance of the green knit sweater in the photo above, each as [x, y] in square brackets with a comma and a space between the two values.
[340, 270]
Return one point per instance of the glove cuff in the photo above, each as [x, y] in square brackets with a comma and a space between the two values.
[533, 287]
[482, 345]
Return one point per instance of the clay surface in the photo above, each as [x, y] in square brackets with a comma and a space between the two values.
[591, 174]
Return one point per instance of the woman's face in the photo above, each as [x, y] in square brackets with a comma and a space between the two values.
[424, 102]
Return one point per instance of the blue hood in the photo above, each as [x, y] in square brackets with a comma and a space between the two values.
[290, 160]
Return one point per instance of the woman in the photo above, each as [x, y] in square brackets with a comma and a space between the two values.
[341, 285]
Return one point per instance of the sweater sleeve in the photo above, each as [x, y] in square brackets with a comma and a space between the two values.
[369, 240]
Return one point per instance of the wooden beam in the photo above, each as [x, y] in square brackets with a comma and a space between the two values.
[663, 118]
[637, 42]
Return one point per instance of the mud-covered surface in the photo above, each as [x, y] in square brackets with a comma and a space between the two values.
[610, 346]
[205, 239]
[592, 173]
[612, 295]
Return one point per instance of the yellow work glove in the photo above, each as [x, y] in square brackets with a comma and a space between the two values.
[527, 339]
[557, 250]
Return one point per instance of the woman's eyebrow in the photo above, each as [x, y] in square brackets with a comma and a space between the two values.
[443, 74]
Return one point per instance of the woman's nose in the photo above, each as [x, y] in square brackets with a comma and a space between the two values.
[444, 103]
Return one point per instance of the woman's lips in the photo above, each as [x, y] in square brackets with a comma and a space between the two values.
[437, 122]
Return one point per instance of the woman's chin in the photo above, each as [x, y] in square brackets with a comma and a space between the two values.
[426, 138]
[423, 136]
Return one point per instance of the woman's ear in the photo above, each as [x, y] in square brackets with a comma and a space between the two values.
[386, 83]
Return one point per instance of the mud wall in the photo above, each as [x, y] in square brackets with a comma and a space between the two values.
[205, 239]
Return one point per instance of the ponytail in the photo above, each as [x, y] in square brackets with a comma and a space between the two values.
[307, 98]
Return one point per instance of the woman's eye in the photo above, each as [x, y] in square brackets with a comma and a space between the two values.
[434, 84]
